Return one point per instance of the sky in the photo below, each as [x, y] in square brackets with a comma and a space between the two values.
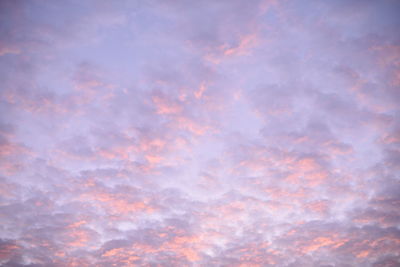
[231, 133]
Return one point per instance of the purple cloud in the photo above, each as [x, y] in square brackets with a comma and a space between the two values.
[199, 133]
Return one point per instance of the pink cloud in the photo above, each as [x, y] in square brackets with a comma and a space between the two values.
[199, 133]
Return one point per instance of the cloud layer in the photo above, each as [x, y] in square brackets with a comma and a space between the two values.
[200, 133]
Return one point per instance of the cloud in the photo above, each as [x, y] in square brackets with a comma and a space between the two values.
[181, 133]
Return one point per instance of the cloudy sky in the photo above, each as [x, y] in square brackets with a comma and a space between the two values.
[200, 133]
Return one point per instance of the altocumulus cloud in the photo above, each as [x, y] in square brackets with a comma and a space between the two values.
[199, 133]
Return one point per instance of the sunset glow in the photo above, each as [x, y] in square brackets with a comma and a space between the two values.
[200, 133]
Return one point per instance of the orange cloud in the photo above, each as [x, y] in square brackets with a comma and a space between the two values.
[199, 93]
[166, 107]
[80, 238]
[8, 250]
[246, 42]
